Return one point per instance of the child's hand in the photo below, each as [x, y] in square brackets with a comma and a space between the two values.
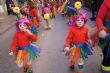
[102, 34]
[67, 49]
[28, 31]
[90, 42]
[11, 53]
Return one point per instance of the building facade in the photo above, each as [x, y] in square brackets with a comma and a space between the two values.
[3, 8]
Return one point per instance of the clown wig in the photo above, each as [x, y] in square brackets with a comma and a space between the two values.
[23, 20]
[76, 17]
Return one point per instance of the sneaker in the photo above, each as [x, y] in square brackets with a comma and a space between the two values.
[29, 70]
[72, 67]
[25, 69]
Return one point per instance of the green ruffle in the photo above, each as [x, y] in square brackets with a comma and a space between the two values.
[19, 16]
[84, 54]
[32, 54]
[77, 12]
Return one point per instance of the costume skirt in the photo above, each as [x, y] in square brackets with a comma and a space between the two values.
[31, 50]
[80, 51]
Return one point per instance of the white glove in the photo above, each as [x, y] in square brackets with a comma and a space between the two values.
[67, 49]
[11, 53]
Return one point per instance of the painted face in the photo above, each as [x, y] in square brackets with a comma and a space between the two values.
[23, 27]
[27, 10]
[80, 22]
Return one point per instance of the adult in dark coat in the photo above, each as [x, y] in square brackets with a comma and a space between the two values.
[103, 25]
[93, 9]
[8, 4]
[99, 3]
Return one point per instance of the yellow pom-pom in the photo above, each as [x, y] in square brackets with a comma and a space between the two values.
[78, 5]
[16, 9]
[46, 16]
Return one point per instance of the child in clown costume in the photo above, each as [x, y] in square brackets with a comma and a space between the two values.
[33, 27]
[63, 8]
[54, 11]
[24, 6]
[24, 51]
[70, 11]
[80, 47]
[77, 9]
[22, 14]
[34, 14]
[46, 15]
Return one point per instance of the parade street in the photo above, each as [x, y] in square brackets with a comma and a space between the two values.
[51, 42]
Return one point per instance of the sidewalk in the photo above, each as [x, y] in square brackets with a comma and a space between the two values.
[6, 23]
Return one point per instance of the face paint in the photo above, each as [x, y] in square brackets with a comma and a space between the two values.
[80, 22]
[23, 27]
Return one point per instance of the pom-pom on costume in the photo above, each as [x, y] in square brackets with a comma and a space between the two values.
[78, 6]
[17, 11]
[22, 47]
[46, 13]
[102, 21]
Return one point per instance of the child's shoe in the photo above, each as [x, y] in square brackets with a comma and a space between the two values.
[49, 26]
[72, 67]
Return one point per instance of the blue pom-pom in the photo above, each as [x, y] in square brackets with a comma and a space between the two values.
[108, 37]
[34, 29]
